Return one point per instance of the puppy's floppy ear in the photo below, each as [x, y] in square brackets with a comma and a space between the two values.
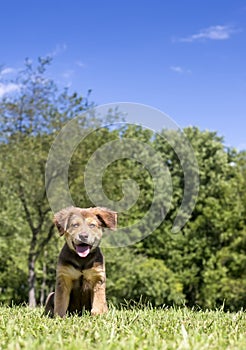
[108, 218]
[61, 219]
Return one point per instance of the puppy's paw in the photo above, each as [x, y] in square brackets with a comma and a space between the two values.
[102, 309]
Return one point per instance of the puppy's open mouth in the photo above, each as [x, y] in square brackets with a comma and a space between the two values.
[82, 249]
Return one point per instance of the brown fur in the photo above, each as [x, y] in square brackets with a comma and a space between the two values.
[80, 275]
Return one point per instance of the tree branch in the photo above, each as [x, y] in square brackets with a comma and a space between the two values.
[45, 241]
[26, 210]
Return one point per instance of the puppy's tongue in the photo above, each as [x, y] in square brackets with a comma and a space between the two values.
[83, 250]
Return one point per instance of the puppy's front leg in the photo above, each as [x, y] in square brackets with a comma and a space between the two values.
[62, 295]
[95, 282]
[99, 304]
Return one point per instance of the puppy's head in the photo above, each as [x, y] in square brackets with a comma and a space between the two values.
[83, 227]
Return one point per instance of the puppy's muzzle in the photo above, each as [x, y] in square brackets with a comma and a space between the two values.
[82, 245]
[83, 237]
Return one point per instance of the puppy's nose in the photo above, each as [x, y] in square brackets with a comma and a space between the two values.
[83, 236]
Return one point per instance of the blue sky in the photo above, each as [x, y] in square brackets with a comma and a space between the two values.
[186, 58]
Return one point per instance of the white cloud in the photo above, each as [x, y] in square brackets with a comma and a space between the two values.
[7, 70]
[217, 32]
[180, 70]
[176, 69]
[68, 74]
[80, 64]
[58, 50]
[8, 88]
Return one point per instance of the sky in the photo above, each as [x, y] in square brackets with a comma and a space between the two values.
[185, 58]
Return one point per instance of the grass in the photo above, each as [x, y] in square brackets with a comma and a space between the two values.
[144, 328]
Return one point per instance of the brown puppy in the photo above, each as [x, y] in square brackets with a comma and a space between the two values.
[80, 275]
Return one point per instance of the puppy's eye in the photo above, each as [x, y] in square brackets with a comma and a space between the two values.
[92, 225]
[75, 225]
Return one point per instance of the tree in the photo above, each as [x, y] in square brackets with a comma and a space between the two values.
[29, 121]
[202, 264]
[135, 277]
[195, 257]
[215, 229]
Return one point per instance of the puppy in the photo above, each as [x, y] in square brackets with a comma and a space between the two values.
[80, 275]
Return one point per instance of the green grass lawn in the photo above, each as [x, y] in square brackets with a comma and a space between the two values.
[135, 328]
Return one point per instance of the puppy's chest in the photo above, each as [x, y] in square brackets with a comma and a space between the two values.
[89, 276]
[89, 270]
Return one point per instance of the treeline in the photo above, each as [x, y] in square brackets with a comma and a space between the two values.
[204, 264]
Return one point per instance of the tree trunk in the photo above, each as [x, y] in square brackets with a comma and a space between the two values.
[31, 280]
[43, 286]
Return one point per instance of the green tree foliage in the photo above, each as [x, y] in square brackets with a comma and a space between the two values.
[206, 259]
[133, 277]
[204, 263]
[208, 254]
[29, 121]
